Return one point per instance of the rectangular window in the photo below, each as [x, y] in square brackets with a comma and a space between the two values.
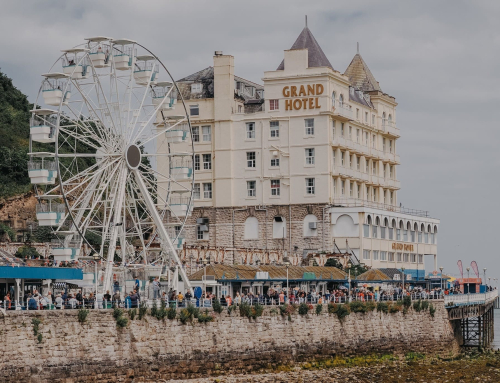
[399, 255]
[420, 258]
[207, 190]
[343, 187]
[375, 255]
[350, 132]
[350, 161]
[382, 232]
[374, 140]
[310, 188]
[275, 162]
[334, 187]
[433, 238]
[250, 159]
[373, 119]
[390, 146]
[342, 157]
[251, 189]
[366, 231]
[374, 231]
[196, 88]
[391, 233]
[309, 124]
[310, 156]
[196, 134]
[342, 129]
[351, 189]
[405, 235]
[196, 191]
[367, 163]
[413, 258]
[333, 157]
[196, 162]
[391, 257]
[240, 108]
[366, 138]
[200, 234]
[207, 161]
[333, 129]
[207, 133]
[383, 144]
[406, 257]
[374, 167]
[366, 254]
[357, 136]
[358, 163]
[419, 237]
[426, 236]
[274, 105]
[194, 110]
[275, 187]
[383, 255]
[357, 113]
[250, 130]
[412, 236]
[398, 234]
[274, 129]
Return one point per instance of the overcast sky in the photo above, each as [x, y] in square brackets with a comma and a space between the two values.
[440, 59]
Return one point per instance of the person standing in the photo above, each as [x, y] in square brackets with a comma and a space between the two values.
[156, 288]
[59, 302]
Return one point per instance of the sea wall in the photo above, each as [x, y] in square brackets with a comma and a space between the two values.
[99, 351]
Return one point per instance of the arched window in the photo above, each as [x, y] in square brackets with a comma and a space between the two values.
[341, 100]
[375, 228]
[369, 220]
[377, 221]
[383, 117]
[422, 228]
[279, 227]
[252, 228]
[333, 98]
[401, 224]
[435, 229]
[415, 226]
[310, 226]
[428, 228]
[408, 226]
[386, 222]
[394, 224]
[389, 118]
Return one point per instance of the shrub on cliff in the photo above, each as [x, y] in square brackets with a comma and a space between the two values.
[319, 309]
[417, 306]
[122, 322]
[205, 317]
[132, 313]
[432, 309]
[249, 311]
[117, 313]
[425, 305]
[287, 310]
[395, 308]
[188, 314]
[171, 313]
[304, 309]
[143, 310]
[407, 301]
[382, 307]
[343, 311]
[358, 307]
[35, 322]
[82, 315]
[217, 306]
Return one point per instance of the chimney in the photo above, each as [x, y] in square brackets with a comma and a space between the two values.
[223, 85]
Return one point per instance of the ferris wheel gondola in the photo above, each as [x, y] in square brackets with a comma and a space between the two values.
[110, 167]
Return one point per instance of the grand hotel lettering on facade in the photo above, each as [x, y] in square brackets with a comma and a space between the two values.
[304, 160]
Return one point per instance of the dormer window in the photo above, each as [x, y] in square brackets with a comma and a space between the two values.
[196, 87]
[351, 90]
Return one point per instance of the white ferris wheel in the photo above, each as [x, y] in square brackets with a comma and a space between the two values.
[111, 156]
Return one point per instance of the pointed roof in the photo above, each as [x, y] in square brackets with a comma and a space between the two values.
[360, 75]
[306, 40]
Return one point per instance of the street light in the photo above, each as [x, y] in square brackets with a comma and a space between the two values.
[484, 270]
[403, 270]
[205, 275]
[96, 259]
[349, 265]
[489, 281]
[441, 282]
[287, 264]
[468, 282]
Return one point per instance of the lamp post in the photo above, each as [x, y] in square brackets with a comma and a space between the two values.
[441, 281]
[403, 270]
[287, 264]
[349, 280]
[205, 275]
[489, 281]
[96, 259]
[484, 271]
[468, 283]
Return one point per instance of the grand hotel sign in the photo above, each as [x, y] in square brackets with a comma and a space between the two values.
[402, 246]
[303, 96]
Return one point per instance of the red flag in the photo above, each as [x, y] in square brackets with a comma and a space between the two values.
[473, 264]
[460, 268]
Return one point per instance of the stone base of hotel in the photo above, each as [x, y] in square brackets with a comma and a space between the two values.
[151, 349]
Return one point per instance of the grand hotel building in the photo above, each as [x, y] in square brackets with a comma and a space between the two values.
[304, 160]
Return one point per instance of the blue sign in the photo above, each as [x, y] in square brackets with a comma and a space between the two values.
[198, 292]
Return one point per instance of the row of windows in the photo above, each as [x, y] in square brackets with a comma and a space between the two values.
[275, 162]
[207, 190]
[350, 163]
[206, 132]
[377, 255]
[401, 234]
[274, 128]
[392, 223]
[371, 193]
[363, 137]
[310, 184]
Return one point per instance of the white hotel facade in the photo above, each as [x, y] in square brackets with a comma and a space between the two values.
[304, 160]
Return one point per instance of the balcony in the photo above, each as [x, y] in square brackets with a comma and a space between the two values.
[343, 111]
[389, 127]
[354, 202]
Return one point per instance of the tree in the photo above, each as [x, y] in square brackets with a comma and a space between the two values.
[333, 262]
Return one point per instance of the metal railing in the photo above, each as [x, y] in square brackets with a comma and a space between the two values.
[352, 202]
[42, 165]
[470, 299]
[51, 208]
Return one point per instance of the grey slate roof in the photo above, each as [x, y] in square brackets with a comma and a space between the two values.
[391, 272]
[354, 96]
[360, 75]
[316, 56]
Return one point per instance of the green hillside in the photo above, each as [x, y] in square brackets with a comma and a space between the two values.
[14, 139]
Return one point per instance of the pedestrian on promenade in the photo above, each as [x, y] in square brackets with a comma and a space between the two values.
[59, 302]
[156, 288]
[32, 305]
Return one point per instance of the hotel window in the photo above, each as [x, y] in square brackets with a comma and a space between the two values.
[406, 257]
[275, 162]
[274, 104]
[420, 258]
[342, 129]
[433, 238]
[240, 109]
[201, 234]
[251, 189]
[357, 113]
[375, 231]
[382, 232]
[196, 191]
[310, 188]
[374, 139]
[366, 138]
[374, 167]
[250, 159]
[207, 161]
[207, 190]
[391, 257]
[398, 234]
[310, 156]
[375, 255]
[390, 146]
[350, 162]
[275, 187]
[366, 254]
[419, 237]
[341, 100]
[383, 144]
[309, 125]
[334, 187]
[333, 129]
[196, 88]
[357, 136]
[426, 237]
[374, 195]
[405, 235]
[391, 233]
[366, 192]
[351, 189]
[366, 231]
[350, 132]
[358, 191]
[194, 110]
[413, 258]
[366, 117]
[390, 171]
[373, 119]
[333, 157]
[383, 255]
[196, 162]
[333, 98]
[196, 134]
[342, 156]
[385, 173]
[207, 133]
[343, 187]
[274, 127]
[412, 236]
[399, 256]
[367, 165]
[250, 130]
[392, 198]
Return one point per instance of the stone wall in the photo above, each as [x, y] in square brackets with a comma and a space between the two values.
[155, 349]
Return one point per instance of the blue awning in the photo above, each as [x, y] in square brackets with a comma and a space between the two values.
[25, 272]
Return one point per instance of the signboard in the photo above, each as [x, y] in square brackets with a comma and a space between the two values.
[402, 246]
[299, 97]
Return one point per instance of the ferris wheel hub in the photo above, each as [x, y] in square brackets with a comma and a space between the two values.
[133, 156]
